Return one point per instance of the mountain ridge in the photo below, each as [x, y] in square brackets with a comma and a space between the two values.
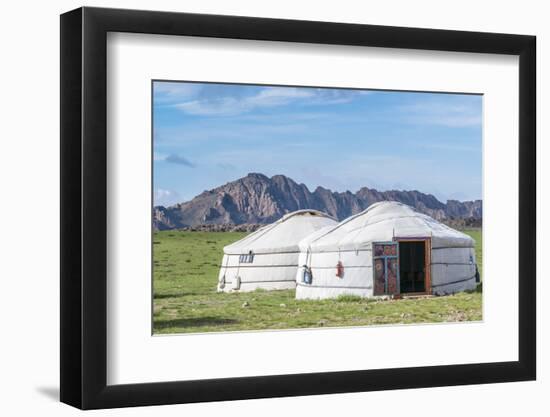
[258, 199]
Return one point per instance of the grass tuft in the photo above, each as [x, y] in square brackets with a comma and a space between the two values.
[349, 298]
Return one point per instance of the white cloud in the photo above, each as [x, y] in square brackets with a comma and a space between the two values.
[274, 96]
[267, 98]
[164, 197]
[229, 106]
[442, 114]
[170, 92]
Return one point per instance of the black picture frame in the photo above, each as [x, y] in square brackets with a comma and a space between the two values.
[84, 207]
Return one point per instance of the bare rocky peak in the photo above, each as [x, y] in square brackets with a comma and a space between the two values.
[258, 199]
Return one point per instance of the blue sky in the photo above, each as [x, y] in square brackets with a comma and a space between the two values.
[208, 134]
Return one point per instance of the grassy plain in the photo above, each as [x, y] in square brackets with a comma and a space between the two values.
[186, 266]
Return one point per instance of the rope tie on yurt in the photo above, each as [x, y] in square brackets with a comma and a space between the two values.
[353, 241]
[307, 276]
[358, 231]
[339, 265]
[222, 281]
[237, 281]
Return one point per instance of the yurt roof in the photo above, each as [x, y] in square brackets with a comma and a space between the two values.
[282, 235]
[382, 222]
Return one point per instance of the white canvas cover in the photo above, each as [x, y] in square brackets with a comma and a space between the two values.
[350, 242]
[268, 258]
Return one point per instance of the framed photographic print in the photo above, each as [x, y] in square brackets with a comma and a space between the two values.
[258, 207]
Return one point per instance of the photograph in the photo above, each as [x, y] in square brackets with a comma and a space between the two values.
[303, 207]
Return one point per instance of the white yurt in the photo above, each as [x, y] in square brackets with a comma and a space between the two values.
[388, 249]
[268, 258]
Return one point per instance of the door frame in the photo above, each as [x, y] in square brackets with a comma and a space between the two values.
[385, 258]
[427, 262]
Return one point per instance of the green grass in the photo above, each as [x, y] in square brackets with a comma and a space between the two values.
[477, 236]
[186, 266]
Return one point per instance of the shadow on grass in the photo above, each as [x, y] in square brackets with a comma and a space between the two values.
[172, 295]
[193, 322]
[478, 289]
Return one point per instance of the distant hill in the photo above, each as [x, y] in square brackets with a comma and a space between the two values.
[258, 199]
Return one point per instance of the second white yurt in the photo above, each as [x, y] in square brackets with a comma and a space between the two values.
[386, 250]
[268, 258]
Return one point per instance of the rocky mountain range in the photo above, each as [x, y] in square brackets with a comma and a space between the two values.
[258, 199]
